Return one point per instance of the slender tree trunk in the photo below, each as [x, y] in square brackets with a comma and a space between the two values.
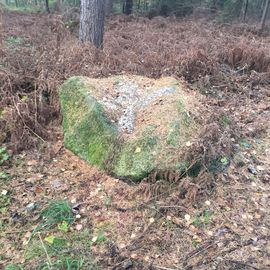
[47, 6]
[127, 7]
[265, 11]
[139, 5]
[108, 7]
[245, 8]
[92, 21]
[58, 6]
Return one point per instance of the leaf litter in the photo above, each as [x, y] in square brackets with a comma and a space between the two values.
[155, 224]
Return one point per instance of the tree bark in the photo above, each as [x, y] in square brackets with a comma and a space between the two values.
[265, 11]
[108, 7]
[127, 7]
[47, 6]
[92, 21]
[245, 8]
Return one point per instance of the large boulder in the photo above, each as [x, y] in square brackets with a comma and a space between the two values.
[129, 126]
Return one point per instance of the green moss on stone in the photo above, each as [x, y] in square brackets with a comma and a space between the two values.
[87, 131]
[173, 133]
[136, 159]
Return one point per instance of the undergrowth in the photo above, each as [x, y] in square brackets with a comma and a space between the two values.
[52, 244]
[39, 54]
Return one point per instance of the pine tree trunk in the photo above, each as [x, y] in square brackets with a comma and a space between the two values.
[47, 6]
[245, 8]
[92, 21]
[265, 11]
[108, 7]
[127, 7]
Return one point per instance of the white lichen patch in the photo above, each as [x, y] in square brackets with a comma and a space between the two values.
[127, 100]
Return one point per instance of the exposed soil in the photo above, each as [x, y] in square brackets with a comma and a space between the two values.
[213, 221]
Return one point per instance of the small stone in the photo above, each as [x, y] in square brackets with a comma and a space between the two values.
[260, 168]
[30, 207]
[78, 216]
[122, 245]
[56, 184]
[252, 170]
[133, 235]
[187, 217]
[188, 144]
[79, 227]
[4, 192]
[127, 264]
[208, 203]
[73, 200]
[94, 239]
[32, 163]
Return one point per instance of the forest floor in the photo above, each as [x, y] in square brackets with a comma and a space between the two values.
[57, 212]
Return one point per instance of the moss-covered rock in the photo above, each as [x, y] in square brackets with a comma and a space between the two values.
[87, 131]
[128, 125]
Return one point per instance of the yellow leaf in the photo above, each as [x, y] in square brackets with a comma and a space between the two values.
[49, 239]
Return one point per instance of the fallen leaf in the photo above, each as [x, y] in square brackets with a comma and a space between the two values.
[63, 226]
[151, 220]
[39, 190]
[94, 239]
[188, 144]
[49, 239]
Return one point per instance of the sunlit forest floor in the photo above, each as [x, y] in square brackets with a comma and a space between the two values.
[57, 212]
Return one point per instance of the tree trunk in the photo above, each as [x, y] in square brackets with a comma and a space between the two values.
[108, 7]
[245, 8]
[58, 6]
[47, 6]
[127, 7]
[92, 21]
[265, 11]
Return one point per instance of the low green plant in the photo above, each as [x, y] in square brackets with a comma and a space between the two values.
[202, 219]
[4, 203]
[100, 238]
[56, 213]
[4, 175]
[57, 253]
[3, 155]
[108, 201]
[13, 267]
[245, 144]
[225, 121]
[14, 40]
